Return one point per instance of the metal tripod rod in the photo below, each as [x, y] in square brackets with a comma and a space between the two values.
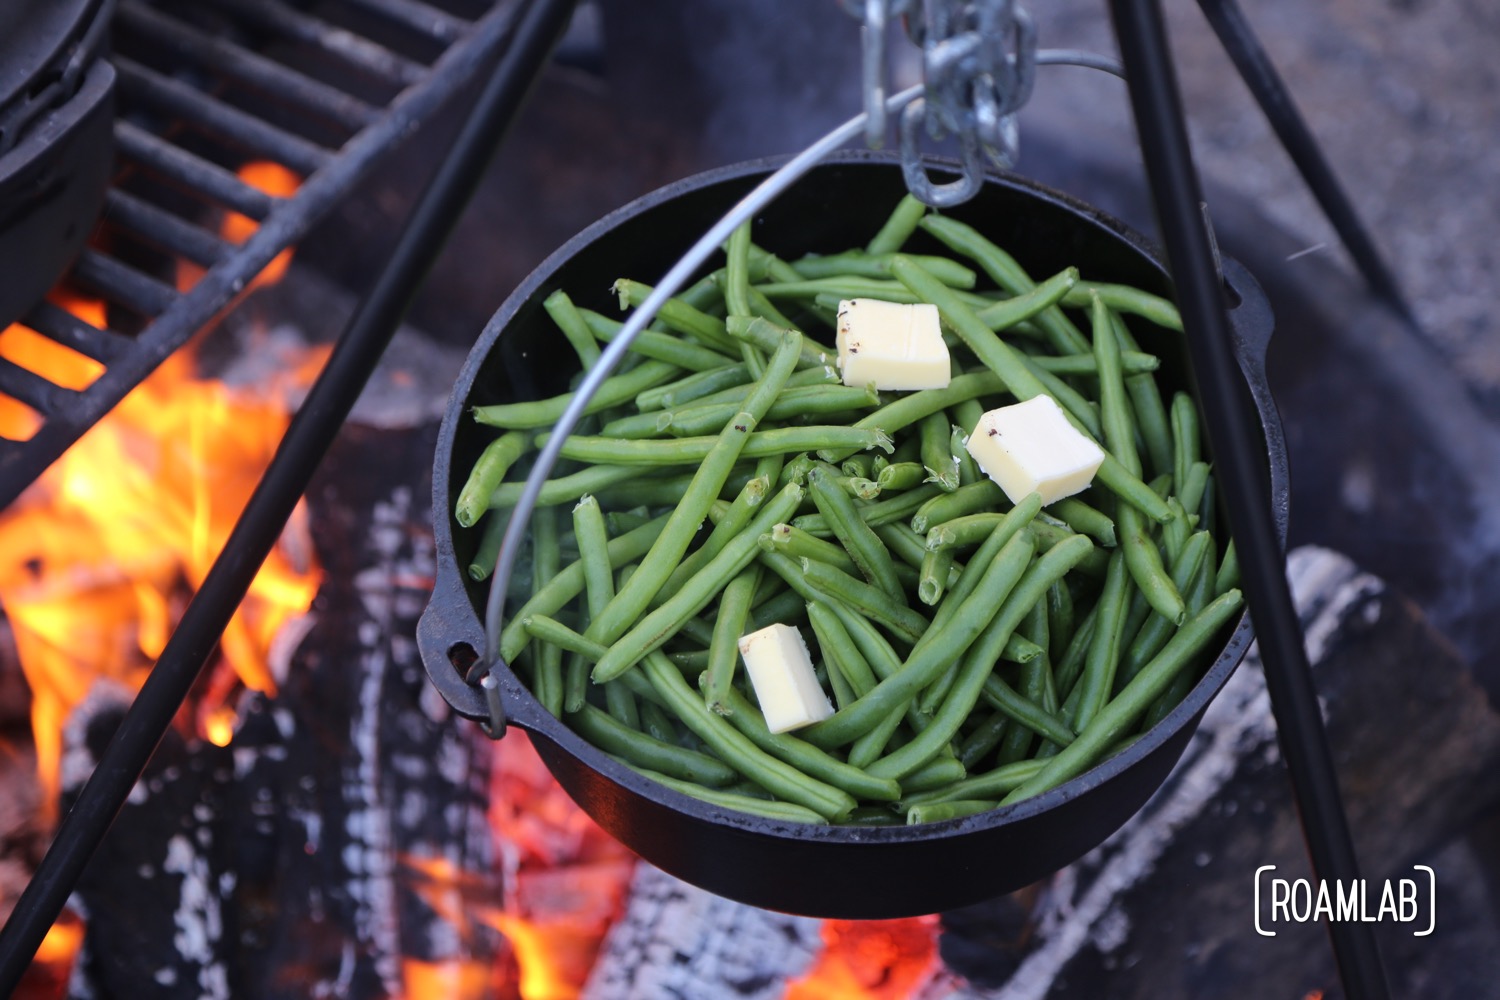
[1238, 459]
[1275, 100]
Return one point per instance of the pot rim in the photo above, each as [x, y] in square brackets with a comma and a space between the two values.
[526, 712]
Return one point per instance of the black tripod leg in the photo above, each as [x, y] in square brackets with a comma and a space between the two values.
[1270, 92]
[1200, 295]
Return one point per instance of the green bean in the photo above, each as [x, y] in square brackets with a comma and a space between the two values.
[793, 402]
[901, 476]
[807, 758]
[1085, 520]
[799, 379]
[895, 508]
[1132, 363]
[736, 749]
[641, 750]
[781, 812]
[1185, 441]
[937, 565]
[898, 227]
[978, 661]
[984, 495]
[684, 521]
[565, 315]
[660, 346]
[661, 623]
[1195, 487]
[1008, 312]
[1197, 595]
[1143, 559]
[1154, 631]
[691, 387]
[911, 407]
[990, 785]
[858, 264]
[1005, 272]
[1114, 720]
[737, 271]
[678, 315]
[942, 467]
[1060, 611]
[961, 532]
[724, 652]
[1125, 299]
[1082, 412]
[694, 450]
[598, 587]
[938, 812]
[858, 538]
[1114, 403]
[1048, 531]
[1229, 570]
[875, 603]
[968, 469]
[928, 660]
[1104, 654]
[982, 740]
[496, 459]
[765, 335]
[938, 773]
[839, 649]
[546, 412]
[1070, 664]
[764, 308]
[798, 544]
[657, 724]
[1023, 711]
[482, 564]
[547, 682]
[1145, 401]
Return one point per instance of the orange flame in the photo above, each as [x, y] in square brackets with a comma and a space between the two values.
[870, 960]
[94, 556]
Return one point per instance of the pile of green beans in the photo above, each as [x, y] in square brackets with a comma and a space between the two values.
[978, 652]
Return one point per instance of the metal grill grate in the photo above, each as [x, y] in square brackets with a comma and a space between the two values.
[324, 92]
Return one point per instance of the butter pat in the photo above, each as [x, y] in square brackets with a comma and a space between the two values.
[781, 672]
[1031, 448]
[891, 345]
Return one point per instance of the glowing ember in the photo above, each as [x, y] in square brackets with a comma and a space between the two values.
[870, 960]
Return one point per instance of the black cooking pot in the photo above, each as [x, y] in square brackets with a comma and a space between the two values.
[56, 140]
[830, 871]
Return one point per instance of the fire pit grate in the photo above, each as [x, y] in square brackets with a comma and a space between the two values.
[199, 93]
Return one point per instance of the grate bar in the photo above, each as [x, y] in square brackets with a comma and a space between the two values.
[223, 57]
[164, 230]
[359, 53]
[33, 390]
[63, 327]
[175, 163]
[172, 318]
[119, 282]
[225, 121]
[418, 16]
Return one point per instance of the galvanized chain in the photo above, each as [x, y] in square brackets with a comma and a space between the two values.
[979, 60]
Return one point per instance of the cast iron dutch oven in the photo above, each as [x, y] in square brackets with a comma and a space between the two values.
[829, 871]
[56, 140]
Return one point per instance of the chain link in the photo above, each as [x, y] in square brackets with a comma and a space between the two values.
[979, 61]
